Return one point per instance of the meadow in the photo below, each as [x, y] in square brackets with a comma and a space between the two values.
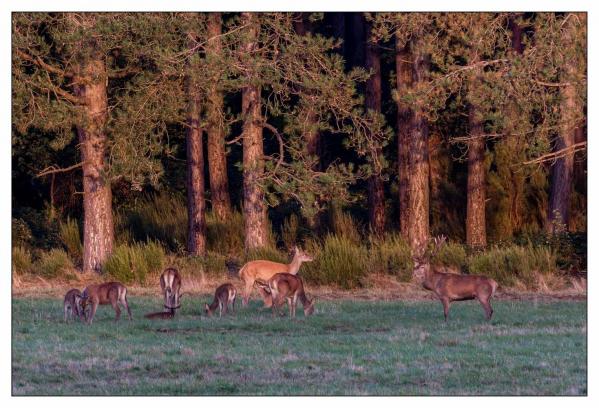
[347, 348]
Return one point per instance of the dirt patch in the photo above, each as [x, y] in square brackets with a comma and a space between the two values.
[381, 287]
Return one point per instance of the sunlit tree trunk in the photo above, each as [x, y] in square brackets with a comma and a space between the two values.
[476, 231]
[98, 227]
[254, 209]
[403, 67]
[217, 159]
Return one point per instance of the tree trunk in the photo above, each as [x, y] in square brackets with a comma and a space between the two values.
[376, 190]
[254, 210]
[476, 232]
[403, 63]
[418, 181]
[196, 206]
[217, 160]
[561, 179]
[98, 227]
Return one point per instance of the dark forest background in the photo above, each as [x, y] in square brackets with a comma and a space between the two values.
[141, 139]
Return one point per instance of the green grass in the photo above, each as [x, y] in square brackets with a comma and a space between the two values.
[348, 347]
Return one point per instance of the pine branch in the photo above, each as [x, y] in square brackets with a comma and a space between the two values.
[554, 156]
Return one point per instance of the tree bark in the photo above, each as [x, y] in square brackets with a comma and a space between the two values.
[217, 160]
[196, 206]
[418, 181]
[562, 173]
[98, 227]
[376, 190]
[476, 232]
[403, 67]
[254, 210]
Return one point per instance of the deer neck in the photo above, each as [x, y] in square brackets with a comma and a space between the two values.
[294, 266]
[429, 276]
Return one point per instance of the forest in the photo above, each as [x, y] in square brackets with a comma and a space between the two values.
[141, 140]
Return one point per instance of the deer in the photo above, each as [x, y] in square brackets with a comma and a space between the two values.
[285, 286]
[111, 293]
[72, 305]
[450, 287]
[161, 315]
[265, 270]
[170, 283]
[224, 296]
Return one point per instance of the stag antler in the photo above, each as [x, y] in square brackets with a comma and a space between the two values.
[438, 241]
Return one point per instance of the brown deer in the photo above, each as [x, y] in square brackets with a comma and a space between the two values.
[111, 293]
[285, 286]
[223, 298]
[265, 270]
[170, 283]
[72, 305]
[449, 287]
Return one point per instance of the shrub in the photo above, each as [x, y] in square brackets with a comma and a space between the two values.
[451, 254]
[69, 235]
[340, 261]
[161, 218]
[391, 255]
[225, 237]
[513, 263]
[21, 260]
[132, 263]
[53, 264]
[21, 233]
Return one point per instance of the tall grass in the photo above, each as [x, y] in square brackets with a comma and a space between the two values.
[54, 263]
[133, 263]
[451, 254]
[391, 255]
[513, 264]
[161, 218]
[344, 225]
[70, 237]
[21, 260]
[339, 261]
[226, 236]
[290, 231]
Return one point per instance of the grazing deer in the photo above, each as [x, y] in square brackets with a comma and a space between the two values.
[72, 305]
[285, 286]
[170, 283]
[111, 293]
[265, 270]
[223, 298]
[449, 287]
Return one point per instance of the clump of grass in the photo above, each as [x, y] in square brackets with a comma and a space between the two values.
[70, 237]
[513, 264]
[53, 264]
[226, 236]
[451, 254]
[391, 255]
[344, 225]
[290, 231]
[133, 263]
[161, 218]
[267, 253]
[340, 261]
[21, 260]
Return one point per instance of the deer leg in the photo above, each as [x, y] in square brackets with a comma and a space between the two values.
[225, 306]
[233, 302]
[117, 310]
[486, 304]
[92, 313]
[126, 304]
[65, 312]
[445, 302]
[246, 293]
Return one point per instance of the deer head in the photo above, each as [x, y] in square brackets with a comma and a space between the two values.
[301, 255]
[422, 263]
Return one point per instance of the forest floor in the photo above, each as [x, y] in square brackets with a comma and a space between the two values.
[536, 346]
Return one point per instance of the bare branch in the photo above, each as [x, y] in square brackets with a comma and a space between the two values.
[553, 156]
[54, 170]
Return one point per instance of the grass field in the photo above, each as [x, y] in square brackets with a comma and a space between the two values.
[347, 348]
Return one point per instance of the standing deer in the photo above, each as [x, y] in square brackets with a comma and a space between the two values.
[449, 287]
[284, 286]
[170, 283]
[111, 293]
[265, 270]
[224, 297]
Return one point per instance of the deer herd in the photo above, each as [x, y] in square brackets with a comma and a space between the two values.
[277, 283]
